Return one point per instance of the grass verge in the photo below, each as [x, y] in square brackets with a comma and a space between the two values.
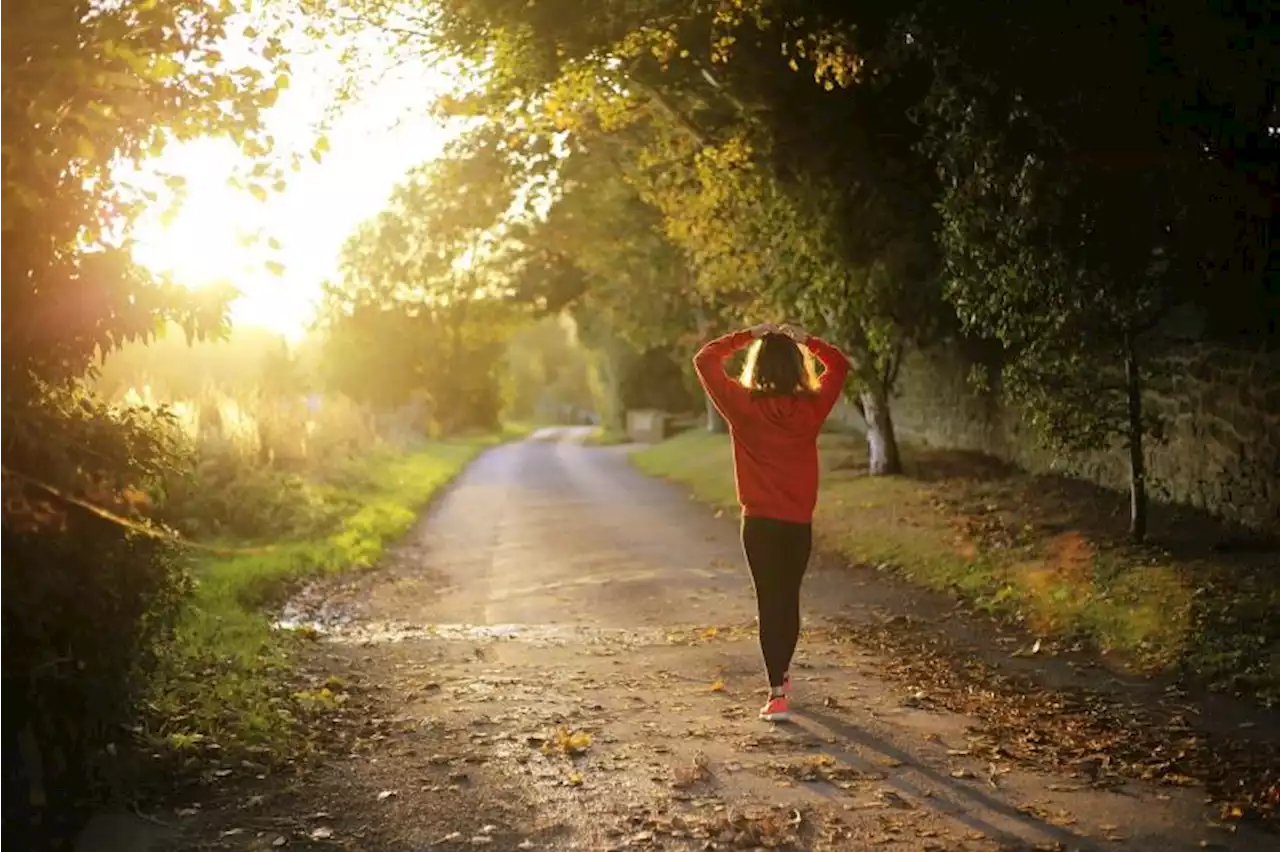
[602, 436]
[224, 682]
[1048, 552]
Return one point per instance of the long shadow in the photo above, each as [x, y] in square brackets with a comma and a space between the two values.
[958, 792]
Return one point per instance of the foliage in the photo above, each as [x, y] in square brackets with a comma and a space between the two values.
[420, 306]
[547, 372]
[88, 90]
[170, 368]
[598, 230]
[85, 602]
[774, 196]
[252, 438]
[442, 363]
[1073, 225]
[599, 252]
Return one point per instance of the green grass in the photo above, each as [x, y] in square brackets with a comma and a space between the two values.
[602, 436]
[698, 459]
[1011, 545]
[223, 680]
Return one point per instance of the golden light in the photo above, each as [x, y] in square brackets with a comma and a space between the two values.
[302, 228]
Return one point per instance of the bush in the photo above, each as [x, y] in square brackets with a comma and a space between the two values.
[261, 466]
[82, 612]
[86, 601]
[229, 497]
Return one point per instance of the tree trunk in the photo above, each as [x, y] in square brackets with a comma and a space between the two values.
[882, 445]
[1137, 464]
[715, 423]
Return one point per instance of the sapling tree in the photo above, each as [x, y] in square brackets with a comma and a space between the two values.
[1080, 209]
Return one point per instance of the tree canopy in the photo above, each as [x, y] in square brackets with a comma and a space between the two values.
[896, 173]
[89, 89]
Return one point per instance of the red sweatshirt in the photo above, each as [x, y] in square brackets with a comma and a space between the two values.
[775, 438]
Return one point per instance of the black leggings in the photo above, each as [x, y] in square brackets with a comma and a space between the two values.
[777, 554]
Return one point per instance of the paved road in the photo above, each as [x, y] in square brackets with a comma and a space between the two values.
[582, 583]
[554, 591]
[548, 531]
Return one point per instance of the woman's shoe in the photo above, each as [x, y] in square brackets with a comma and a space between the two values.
[777, 710]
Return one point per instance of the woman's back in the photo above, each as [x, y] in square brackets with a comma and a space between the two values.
[775, 456]
[774, 417]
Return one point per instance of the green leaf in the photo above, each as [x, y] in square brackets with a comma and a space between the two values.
[258, 191]
[164, 68]
[275, 267]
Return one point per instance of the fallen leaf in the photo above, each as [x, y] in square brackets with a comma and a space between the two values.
[718, 686]
[386, 794]
[322, 833]
[279, 841]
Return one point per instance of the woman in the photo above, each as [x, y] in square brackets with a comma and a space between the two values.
[775, 412]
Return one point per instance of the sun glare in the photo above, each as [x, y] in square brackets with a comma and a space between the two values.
[221, 233]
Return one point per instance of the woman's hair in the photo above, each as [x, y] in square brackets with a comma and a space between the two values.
[777, 366]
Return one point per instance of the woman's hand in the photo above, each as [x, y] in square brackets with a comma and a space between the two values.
[762, 329]
[795, 332]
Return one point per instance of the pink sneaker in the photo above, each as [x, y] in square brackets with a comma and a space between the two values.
[777, 710]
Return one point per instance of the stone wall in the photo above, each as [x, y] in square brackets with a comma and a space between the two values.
[648, 425]
[1221, 410]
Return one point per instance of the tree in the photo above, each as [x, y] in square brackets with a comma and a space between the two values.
[445, 360]
[1079, 210]
[421, 314]
[599, 252]
[87, 90]
[547, 371]
[773, 207]
[824, 199]
[88, 87]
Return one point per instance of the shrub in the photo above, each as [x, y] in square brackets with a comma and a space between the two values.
[86, 599]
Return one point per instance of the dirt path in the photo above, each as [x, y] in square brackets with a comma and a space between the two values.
[562, 656]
